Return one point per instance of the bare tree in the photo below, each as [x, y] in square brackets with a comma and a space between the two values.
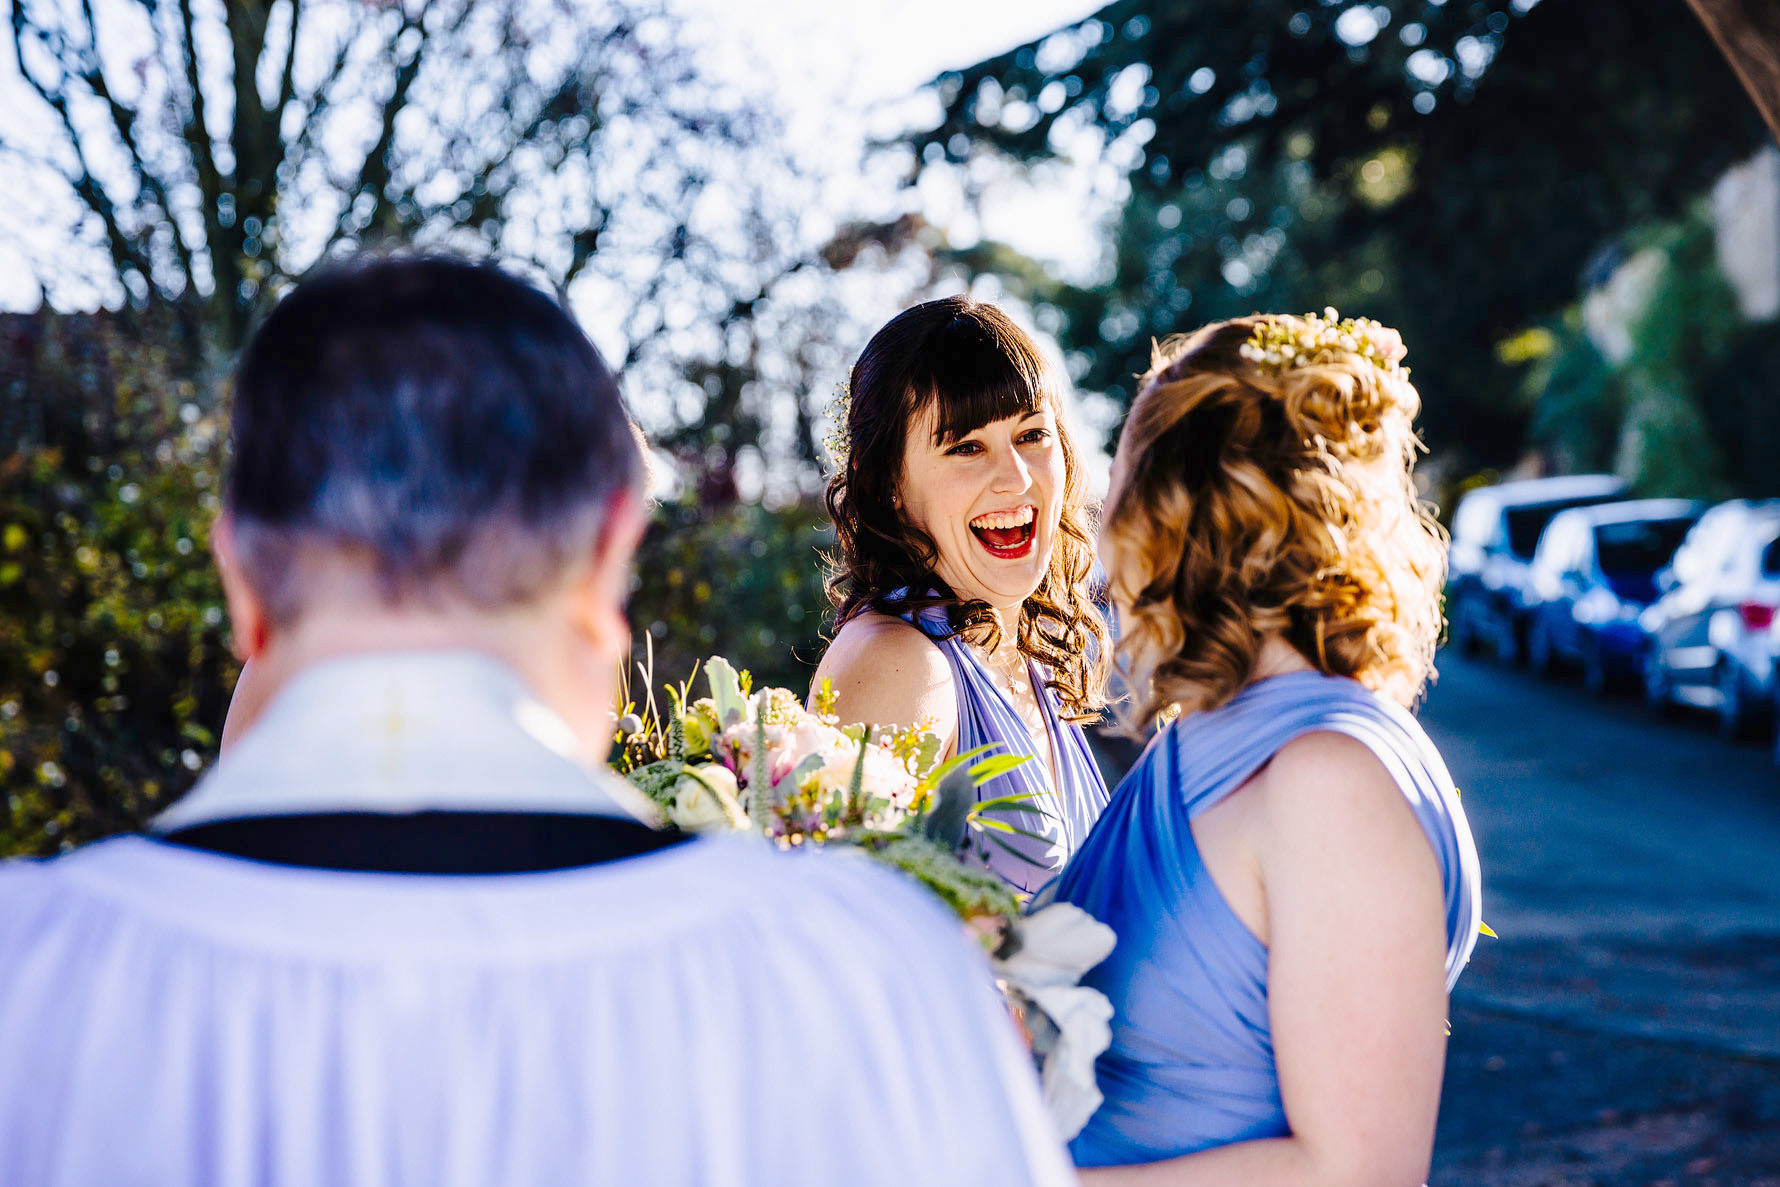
[215, 150]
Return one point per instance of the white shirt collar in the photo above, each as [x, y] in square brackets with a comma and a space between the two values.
[405, 732]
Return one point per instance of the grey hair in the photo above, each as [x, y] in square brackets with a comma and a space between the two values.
[442, 422]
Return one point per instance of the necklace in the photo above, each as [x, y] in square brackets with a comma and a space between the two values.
[1009, 662]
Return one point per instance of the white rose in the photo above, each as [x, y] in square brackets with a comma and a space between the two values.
[1057, 944]
[886, 776]
[706, 797]
[1083, 1021]
[812, 735]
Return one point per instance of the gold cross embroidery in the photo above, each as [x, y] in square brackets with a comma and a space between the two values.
[395, 726]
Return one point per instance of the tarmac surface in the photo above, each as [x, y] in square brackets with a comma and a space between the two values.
[1625, 1027]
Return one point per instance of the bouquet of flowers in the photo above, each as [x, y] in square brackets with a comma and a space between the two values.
[758, 761]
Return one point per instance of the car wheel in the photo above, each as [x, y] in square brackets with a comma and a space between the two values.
[1539, 654]
[1737, 718]
[1655, 679]
[1594, 669]
[1505, 638]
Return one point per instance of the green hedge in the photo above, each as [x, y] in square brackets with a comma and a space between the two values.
[115, 672]
[743, 582]
[114, 668]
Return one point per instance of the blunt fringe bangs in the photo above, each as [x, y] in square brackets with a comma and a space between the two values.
[974, 374]
[975, 366]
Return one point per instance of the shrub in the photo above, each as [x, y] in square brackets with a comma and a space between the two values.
[740, 581]
[114, 669]
[115, 673]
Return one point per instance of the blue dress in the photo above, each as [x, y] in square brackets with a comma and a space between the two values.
[1191, 1063]
[1060, 815]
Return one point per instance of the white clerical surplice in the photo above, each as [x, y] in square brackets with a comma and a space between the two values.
[713, 1012]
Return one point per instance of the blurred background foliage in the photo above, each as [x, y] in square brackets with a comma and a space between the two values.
[115, 670]
[734, 579]
[1448, 167]
[1525, 187]
[1656, 373]
[114, 665]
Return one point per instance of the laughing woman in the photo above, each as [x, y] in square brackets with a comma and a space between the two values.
[963, 553]
[1292, 881]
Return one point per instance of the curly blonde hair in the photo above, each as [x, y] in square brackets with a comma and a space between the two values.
[1252, 501]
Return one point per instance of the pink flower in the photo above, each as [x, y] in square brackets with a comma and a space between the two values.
[1387, 342]
[780, 763]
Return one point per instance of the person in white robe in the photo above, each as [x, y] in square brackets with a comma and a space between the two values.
[408, 931]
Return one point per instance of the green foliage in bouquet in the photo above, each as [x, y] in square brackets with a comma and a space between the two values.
[972, 893]
[759, 761]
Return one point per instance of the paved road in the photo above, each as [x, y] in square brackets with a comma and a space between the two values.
[1625, 1029]
[1597, 819]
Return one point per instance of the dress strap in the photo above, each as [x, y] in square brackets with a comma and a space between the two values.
[1221, 749]
[932, 621]
[1211, 754]
[1063, 797]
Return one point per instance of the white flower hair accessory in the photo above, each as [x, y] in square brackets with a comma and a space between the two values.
[1326, 338]
[836, 441]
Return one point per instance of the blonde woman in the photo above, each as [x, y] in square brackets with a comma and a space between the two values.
[1291, 878]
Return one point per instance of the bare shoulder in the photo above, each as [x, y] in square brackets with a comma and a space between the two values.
[1337, 843]
[1323, 787]
[888, 672]
[871, 645]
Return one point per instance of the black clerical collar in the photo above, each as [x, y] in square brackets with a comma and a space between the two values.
[429, 842]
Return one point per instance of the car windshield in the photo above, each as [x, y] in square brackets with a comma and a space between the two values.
[1526, 524]
[1642, 546]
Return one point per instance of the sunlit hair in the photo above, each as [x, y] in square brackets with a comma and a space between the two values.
[1251, 502]
[975, 366]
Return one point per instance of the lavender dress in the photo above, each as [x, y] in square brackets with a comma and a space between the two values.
[1191, 1063]
[1061, 815]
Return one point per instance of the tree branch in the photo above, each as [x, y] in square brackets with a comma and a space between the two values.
[126, 254]
[582, 246]
[287, 85]
[124, 120]
[1748, 34]
[374, 173]
[197, 137]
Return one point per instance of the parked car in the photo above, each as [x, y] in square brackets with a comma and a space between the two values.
[1773, 655]
[1712, 631]
[1495, 530]
[1593, 575]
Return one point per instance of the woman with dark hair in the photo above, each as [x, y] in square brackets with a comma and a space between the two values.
[1290, 876]
[961, 568]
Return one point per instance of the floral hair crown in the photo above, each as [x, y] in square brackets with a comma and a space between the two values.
[836, 441]
[1280, 347]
